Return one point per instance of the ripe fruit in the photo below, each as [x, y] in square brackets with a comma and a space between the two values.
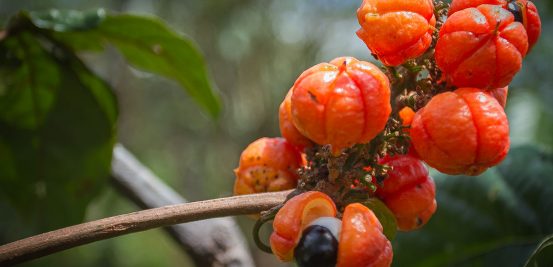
[296, 214]
[287, 128]
[524, 12]
[318, 246]
[406, 115]
[461, 132]
[481, 47]
[341, 103]
[267, 165]
[362, 242]
[408, 191]
[396, 30]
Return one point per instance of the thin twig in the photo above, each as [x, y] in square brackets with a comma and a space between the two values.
[69, 237]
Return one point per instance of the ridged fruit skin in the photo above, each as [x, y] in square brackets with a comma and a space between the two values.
[396, 31]
[293, 217]
[287, 128]
[530, 16]
[341, 103]
[481, 47]
[267, 165]
[461, 132]
[362, 242]
[408, 191]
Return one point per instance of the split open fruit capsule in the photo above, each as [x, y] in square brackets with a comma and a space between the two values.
[267, 165]
[305, 229]
[362, 242]
[291, 220]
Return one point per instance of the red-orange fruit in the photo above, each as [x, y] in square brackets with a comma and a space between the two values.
[287, 128]
[481, 47]
[406, 115]
[461, 132]
[524, 11]
[341, 103]
[500, 94]
[293, 217]
[362, 242]
[267, 165]
[396, 31]
[408, 191]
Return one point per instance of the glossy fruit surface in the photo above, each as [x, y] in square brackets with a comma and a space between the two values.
[524, 12]
[408, 191]
[341, 103]
[461, 132]
[481, 47]
[267, 165]
[362, 242]
[287, 128]
[396, 31]
[316, 248]
[296, 214]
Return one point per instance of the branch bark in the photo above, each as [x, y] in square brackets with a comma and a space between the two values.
[213, 242]
[65, 238]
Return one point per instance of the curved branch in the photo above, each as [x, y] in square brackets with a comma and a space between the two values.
[72, 236]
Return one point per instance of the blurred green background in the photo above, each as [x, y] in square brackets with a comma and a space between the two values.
[254, 50]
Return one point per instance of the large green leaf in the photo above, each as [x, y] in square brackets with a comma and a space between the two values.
[28, 84]
[148, 44]
[55, 151]
[496, 219]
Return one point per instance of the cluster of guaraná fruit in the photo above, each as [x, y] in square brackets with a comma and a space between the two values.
[353, 131]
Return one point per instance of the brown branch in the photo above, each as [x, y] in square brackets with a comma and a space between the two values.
[214, 242]
[65, 238]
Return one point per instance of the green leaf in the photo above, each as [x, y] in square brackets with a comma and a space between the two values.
[28, 86]
[543, 255]
[148, 44]
[496, 219]
[52, 170]
[384, 215]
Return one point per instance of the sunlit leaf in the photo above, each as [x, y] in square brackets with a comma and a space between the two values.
[148, 44]
[496, 219]
[67, 20]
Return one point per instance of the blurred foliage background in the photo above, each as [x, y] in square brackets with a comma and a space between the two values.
[254, 50]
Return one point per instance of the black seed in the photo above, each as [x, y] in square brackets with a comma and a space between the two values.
[316, 248]
[517, 10]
